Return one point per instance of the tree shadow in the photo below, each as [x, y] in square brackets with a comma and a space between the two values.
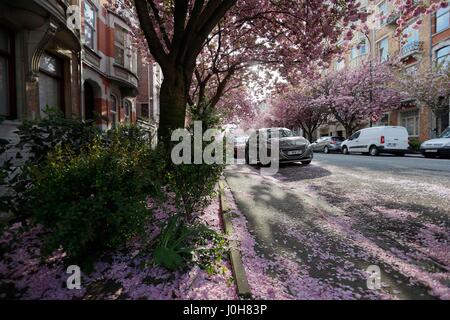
[293, 172]
[281, 209]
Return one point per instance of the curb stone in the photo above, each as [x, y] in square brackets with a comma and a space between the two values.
[242, 286]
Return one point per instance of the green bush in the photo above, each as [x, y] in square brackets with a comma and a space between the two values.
[36, 140]
[39, 137]
[180, 243]
[414, 144]
[92, 200]
[193, 185]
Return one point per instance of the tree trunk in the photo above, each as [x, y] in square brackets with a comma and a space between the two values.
[173, 101]
[348, 130]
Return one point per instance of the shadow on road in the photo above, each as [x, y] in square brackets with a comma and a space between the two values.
[295, 172]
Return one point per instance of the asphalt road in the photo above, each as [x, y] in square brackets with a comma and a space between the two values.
[328, 222]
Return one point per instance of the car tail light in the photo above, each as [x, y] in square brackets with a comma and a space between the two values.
[382, 140]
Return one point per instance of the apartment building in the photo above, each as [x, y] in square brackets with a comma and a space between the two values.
[422, 48]
[148, 100]
[110, 81]
[40, 61]
[48, 59]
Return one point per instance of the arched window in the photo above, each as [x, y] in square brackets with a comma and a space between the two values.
[113, 112]
[127, 106]
[51, 86]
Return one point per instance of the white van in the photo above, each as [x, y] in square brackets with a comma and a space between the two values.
[378, 140]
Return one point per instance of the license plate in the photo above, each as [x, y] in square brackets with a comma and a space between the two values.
[391, 145]
[431, 151]
[295, 152]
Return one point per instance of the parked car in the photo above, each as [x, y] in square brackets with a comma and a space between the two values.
[328, 144]
[376, 140]
[437, 147]
[291, 148]
[239, 144]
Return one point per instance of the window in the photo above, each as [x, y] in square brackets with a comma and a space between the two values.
[113, 112]
[355, 135]
[144, 110]
[89, 25]
[384, 121]
[5, 59]
[359, 49]
[340, 65]
[412, 70]
[383, 49]
[442, 19]
[443, 57]
[119, 45]
[383, 12]
[50, 84]
[410, 36]
[410, 120]
[127, 106]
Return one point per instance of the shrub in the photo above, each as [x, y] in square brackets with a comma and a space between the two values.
[193, 185]
[180, 243]
[92, 200]
[36, 140]
[414, 144]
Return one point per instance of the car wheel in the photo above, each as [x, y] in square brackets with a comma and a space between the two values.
[306, 162]
[373, 151]
[429, 156]
[401, 154]
[344, 150]
[326, 150]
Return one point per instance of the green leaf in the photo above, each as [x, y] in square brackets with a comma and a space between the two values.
[167, 258]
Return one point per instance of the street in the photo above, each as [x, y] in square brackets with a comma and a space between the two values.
[321, 226]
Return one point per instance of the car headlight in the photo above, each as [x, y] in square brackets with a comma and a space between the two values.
[447, 145]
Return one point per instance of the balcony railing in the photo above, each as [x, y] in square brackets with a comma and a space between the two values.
[411, 48]
[392, 18]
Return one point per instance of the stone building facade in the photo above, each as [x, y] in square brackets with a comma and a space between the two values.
[71, 55]
[40, 61]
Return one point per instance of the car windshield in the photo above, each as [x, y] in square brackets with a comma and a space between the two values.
[282, 133]
[446, 133]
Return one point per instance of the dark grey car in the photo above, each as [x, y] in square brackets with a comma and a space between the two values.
[328, 144]
[291, 148]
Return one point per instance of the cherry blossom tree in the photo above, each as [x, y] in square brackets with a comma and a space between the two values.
[298, 35]
[430, 88]
[296, 32]
[296, 108]
[353, 96]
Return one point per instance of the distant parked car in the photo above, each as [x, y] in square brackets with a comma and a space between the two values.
[291, 148]
[378, 140]
[328, 144]
[437, 147]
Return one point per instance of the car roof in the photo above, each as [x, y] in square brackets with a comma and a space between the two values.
[382, 127]
[271, 129]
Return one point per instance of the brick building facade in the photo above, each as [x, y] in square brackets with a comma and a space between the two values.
[147, 102]
[88, 72]
[423, 49]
